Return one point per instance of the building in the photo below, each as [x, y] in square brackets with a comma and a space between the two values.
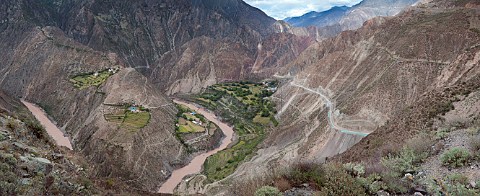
[134, 109]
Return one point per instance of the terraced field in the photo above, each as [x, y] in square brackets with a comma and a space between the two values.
[83, 81]
[125, 118]
[247, 107]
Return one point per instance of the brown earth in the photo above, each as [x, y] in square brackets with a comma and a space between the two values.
[393, 76]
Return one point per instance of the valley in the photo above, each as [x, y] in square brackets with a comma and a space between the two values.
[196, 163]
[52, 130]
[215, 97]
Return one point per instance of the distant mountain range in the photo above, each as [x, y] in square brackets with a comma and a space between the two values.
[348, 18]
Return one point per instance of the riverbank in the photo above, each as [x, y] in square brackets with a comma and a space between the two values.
[51, 128]
[195, 166]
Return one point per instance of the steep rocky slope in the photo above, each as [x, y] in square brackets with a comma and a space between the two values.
[333, 92]
[384, 67]
[38, 65]
[177, 46]
[182, 46]
[387, 74]
[31, 163]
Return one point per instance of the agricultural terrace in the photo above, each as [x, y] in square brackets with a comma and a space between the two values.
[128, 116]
[245, 105]
[85, 80]
[189, 121]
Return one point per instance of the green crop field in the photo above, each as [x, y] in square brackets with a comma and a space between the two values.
[247, 106]
[186, 126]
[128, 119]
[87, 80]
[136, 120]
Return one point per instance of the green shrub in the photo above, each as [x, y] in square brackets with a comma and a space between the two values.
[37, 129]
[459, 189]
[474, 143]
[393, 182]
[454, 184]
[372, 183]
[7, 188]
[339, 182]
[442, 133]
[306, 173]
[457, 178]
[474, 130]
[9, 159]
[12, 124]
[406, 161]
[267, 191]
[354, 169]
[455, 157]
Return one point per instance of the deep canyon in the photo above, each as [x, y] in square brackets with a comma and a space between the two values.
[343, 89]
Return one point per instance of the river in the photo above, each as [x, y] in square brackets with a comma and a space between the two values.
[51, 128]
[195, 166]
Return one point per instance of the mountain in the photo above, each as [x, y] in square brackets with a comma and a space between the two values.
[395, 78]
[32, 164]
[338, 19]
[356, 97]
[159, 48]
[320, 19]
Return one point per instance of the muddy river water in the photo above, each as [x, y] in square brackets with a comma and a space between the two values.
[195, 166]
[51, 128]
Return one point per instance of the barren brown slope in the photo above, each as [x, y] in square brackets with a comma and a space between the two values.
[387, 66]
[181, 46]
[372, 74]
[39, 70]
[163, 38]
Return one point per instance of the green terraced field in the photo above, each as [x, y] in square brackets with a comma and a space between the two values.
[84, 81]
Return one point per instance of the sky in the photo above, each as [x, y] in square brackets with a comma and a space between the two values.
[281, 9]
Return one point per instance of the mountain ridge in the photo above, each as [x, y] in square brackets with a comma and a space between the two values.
[341, 18]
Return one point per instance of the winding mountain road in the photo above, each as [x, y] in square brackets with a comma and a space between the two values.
[331, 109]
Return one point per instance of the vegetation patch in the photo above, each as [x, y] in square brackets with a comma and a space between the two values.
[188, 121]
[246, 106]
[453, 184]
[268, 191]
[85, 80]
[397, 174]
[456, 157]
[128, 116]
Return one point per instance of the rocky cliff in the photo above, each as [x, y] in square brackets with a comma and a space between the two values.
[332, 93]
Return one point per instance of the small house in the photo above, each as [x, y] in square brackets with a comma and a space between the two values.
[134, 109]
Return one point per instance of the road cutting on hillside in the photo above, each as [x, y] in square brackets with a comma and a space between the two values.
[331, 108]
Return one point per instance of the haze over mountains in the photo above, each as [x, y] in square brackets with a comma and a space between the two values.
[392, 78]
[341, 18]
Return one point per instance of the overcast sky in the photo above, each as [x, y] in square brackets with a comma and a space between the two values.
[280, 9]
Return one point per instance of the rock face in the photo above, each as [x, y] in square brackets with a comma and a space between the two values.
[338, 19]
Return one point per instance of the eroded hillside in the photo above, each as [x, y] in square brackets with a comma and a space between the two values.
[384, 77]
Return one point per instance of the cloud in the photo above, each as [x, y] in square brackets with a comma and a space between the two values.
[280, 9]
